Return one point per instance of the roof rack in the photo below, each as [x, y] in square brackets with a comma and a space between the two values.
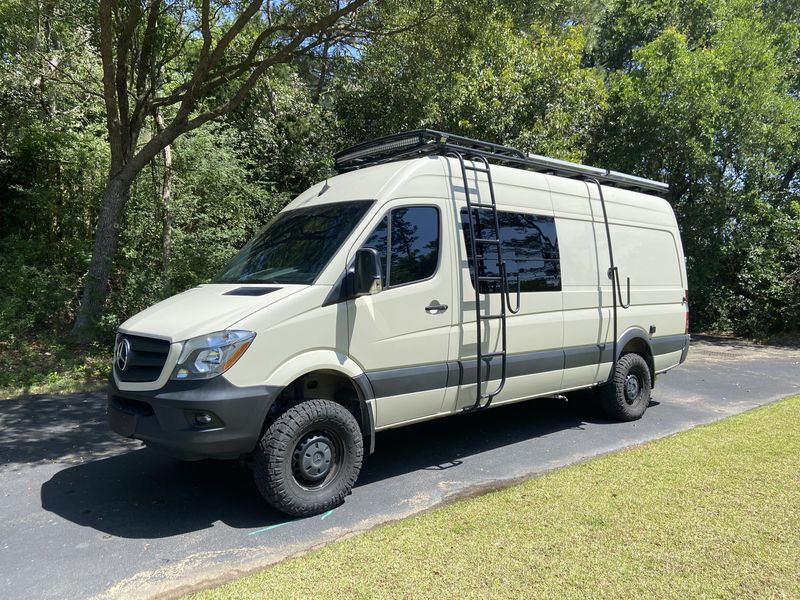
[423, 142]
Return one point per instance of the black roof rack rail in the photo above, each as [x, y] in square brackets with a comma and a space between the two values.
[423, 142]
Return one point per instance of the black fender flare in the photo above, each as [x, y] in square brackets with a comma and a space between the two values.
[367, 404]
[634, 333]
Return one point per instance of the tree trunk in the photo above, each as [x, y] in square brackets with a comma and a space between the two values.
[166, 241]
[166, 219]
[323, 72]
[106, 238]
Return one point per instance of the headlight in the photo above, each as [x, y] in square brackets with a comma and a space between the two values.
[210, 355]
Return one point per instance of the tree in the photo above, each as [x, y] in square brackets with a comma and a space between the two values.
[716, 116]
[52, 163]
[483, 75]
[195, 62]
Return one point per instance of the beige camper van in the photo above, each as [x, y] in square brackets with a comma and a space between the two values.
[435, 275]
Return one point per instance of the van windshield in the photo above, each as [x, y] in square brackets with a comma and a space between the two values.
[296, 245]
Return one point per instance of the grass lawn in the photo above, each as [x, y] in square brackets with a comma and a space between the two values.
[710, 513]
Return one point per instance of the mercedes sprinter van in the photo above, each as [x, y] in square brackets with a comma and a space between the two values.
[434, 275]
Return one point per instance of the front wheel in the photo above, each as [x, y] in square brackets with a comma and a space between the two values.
[627, 395]
[309, 458]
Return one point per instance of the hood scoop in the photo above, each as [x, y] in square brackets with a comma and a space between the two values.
[251, 291]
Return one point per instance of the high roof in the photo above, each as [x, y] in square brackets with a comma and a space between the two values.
[422, 142]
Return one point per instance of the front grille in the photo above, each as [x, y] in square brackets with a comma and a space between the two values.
[146, 358]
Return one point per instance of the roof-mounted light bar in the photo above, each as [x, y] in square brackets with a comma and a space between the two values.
[426, 141]
[389, 147]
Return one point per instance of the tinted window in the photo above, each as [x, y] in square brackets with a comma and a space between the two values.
[529, 246]
[294, 246]
[414, 240]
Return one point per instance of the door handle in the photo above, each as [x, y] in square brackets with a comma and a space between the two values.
[435, 308]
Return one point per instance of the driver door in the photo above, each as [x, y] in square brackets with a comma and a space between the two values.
[400, 335]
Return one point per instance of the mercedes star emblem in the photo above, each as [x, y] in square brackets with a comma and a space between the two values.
[121, 355]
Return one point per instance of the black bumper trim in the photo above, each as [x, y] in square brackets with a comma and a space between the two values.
[158, 417]
[685, 351]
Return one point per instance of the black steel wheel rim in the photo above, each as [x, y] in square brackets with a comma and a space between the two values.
[316, 459]
[632, 388]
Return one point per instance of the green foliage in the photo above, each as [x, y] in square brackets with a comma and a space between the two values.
[228, 180]
[214, 210]
[50, 181]
[716, 119]
[762, 272]
[480, 76]
[285, 140]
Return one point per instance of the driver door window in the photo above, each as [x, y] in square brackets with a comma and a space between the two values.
[414, 241]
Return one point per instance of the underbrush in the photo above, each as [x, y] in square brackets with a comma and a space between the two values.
[43, 364]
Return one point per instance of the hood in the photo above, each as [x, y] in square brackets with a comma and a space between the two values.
[205, 309]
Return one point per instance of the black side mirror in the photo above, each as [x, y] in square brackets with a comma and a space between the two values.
[367, 272]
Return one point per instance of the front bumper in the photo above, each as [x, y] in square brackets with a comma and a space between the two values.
[165, 418]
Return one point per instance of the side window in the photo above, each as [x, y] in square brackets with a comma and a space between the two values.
[529, 247]
[412, 234]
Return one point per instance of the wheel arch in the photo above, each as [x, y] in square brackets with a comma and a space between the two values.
[329, 375]
[636, 340]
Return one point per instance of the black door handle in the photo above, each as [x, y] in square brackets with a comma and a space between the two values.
[435, 308]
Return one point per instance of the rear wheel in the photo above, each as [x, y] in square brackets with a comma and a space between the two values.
[627, 395]
[309, 458]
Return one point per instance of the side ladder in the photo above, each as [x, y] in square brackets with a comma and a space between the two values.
[484, 399]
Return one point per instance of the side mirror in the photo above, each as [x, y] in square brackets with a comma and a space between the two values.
[367, 272]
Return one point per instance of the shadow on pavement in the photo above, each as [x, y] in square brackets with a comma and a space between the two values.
[144, 494]
[41, 429]
[444, 443]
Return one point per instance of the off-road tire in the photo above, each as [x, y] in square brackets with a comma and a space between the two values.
[286, 452]
[617, 397]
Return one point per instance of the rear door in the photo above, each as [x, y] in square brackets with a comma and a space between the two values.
[400, 335]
